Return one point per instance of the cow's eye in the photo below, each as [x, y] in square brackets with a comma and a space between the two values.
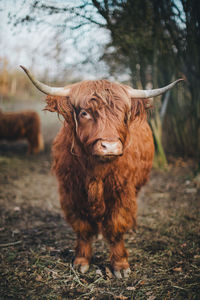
[84, 115]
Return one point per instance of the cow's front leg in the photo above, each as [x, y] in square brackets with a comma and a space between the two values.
[115, 225]
[83, 253]
[119, 257]
[83, 249]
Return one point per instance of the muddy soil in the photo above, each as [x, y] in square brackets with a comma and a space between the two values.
[37, 246]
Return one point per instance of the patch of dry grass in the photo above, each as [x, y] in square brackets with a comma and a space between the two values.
[36, 248]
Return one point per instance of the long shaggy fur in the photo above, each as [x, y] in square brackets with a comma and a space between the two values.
[22, 125]
[99, 196]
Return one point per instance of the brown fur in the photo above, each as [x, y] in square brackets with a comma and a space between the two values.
[95, 195]
[22, 125]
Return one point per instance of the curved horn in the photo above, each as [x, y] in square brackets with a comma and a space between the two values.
[152, 93]
[53, 91]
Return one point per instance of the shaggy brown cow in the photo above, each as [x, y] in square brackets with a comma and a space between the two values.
[102, 156]
[22, 125]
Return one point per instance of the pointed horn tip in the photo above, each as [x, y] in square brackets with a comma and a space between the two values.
[23, 68]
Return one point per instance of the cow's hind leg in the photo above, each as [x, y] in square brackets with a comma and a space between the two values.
[36, 143]
[83, 250]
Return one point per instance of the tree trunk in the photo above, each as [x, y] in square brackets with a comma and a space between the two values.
[160, 157]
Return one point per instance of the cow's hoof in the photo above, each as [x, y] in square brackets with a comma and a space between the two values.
[127, 272]
[117, 274]
[84, 269]
[81, 264]
[122, 273]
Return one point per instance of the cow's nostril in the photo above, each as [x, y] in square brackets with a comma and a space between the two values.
[103, 145]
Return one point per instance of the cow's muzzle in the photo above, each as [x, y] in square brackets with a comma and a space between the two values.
[107, 149]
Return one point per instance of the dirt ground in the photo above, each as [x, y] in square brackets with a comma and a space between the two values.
[37, 246]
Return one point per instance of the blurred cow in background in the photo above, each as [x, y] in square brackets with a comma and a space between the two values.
[22, 125]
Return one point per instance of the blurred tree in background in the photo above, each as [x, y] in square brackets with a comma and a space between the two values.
[155, 42]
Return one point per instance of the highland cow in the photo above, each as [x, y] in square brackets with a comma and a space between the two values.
[102, 156]
[22, 125]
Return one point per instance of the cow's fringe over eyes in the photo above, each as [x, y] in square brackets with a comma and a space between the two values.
[95, 95]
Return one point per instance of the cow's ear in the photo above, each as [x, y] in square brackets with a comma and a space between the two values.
[58, 104]
[62, 106]
[139, 107]
[148, 103]
[52, 103]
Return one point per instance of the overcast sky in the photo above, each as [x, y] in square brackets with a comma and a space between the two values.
[45, 48]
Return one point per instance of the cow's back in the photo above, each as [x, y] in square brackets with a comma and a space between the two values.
[15, 125]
